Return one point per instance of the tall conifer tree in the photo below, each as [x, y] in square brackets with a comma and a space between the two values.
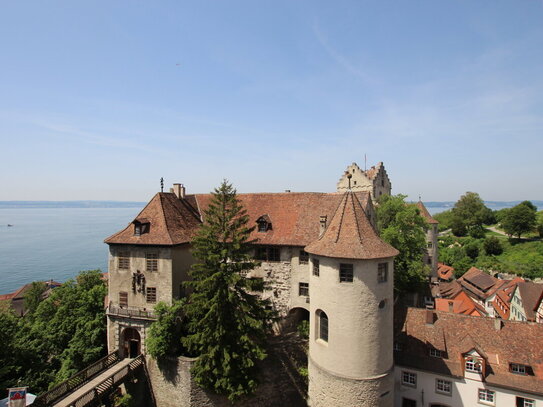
[227, 321]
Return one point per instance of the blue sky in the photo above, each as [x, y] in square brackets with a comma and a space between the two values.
[100, 99]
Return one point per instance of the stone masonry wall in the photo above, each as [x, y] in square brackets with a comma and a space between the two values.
[328, 390]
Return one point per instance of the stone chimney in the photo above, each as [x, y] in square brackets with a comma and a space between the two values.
[498, 324]
[429, 317]
[323, 219]
[179, 190]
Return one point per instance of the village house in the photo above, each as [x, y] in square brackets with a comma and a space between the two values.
[524, 301]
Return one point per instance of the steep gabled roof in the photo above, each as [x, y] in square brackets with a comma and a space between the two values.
[294, 215]
[350, 235]
[501, 342]
[530, 294]
[172, 221]
[425, 214]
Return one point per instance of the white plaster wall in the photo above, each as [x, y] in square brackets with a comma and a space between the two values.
[299, 274]
[464, 391]
[121, 280]
[360, 333]
[359, 181]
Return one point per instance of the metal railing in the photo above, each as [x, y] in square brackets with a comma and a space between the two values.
[94, 396]
[130, 312]
[76, 381]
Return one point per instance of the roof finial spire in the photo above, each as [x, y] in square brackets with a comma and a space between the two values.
[365, 163]
[161, 184]
[420, 200]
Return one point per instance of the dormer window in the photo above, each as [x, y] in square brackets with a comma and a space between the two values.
[518, 368]
[141, 226]
[264, 223]
[474, 365]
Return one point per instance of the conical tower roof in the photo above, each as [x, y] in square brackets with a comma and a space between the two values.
[350, 235]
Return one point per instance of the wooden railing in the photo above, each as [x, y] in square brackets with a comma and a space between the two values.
[76, 381]
[94, 396]
[130, 312]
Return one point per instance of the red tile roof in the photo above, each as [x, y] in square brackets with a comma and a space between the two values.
[425, 214]
[350, 235]
[172, 221]
[480, 284]
[530, 293]
[502, 342]
[445, 272]
[461, 304]
[294, 217]
[503, 297]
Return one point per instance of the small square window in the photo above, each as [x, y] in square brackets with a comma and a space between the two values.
[382, 272]
[435, 353]
[316, 267]
[303, 289]
[123, 299]
[151, 295]
[523, 402]
[486, 396]
[409, 379]
[304, 257]
[397, 346]
[151, 262]
[443, 386]
[124, 261]
[430, 245]
[517, 368]
[345, 273]
[473, 366]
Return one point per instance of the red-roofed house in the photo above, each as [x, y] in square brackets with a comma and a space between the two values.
[444, 272]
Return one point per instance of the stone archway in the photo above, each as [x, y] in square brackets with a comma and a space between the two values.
[294, 317]
[131, 343]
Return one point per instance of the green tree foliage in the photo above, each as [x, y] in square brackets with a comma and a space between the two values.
[519, 219]
[401, 226]
[34, 296]
[472, 249]
[9, 364]
[493, 246]
[65, 333]
[469, 213]
[539, 226]
[164, 333]
[228, 323]
[445, 219]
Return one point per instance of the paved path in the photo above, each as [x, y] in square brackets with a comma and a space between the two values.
[66, 402]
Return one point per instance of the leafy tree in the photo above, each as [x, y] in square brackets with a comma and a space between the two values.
[33, 296]
[228, 323]
[445, 219]
[493, 246]
[10, 365]
[401, 226]
[519, 219]
[470, 212]
[164, 333]
[539, 226]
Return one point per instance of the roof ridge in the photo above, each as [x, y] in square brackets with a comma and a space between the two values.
[344, 199]
[353, 197]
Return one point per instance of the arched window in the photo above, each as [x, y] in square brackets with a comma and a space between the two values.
[322, 328]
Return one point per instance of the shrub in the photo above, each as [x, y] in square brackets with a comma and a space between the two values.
[303, 329]
[493, 246]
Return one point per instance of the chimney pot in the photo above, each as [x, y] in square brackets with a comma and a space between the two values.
[179, 190]
[323, 219]
[498, 324]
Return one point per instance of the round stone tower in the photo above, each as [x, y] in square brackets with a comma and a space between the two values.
[351, 312]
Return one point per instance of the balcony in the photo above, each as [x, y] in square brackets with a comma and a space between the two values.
[131, 312]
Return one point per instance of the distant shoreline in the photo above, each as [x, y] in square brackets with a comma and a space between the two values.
[69, 204]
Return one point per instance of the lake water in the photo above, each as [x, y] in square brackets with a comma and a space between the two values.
[55, 243]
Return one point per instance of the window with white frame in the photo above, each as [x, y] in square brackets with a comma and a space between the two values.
[409, 379]
[443, 386]
[473, 365]
[487, 396]
[436, 353]
[523, 402]
[518, 368]
[382, 272]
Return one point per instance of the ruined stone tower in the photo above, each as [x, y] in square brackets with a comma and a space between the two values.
[351, 312]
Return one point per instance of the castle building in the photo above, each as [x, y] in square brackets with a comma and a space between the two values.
[375, 180]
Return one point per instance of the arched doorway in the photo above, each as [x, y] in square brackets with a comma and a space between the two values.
[294, 319]
[131, 343]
